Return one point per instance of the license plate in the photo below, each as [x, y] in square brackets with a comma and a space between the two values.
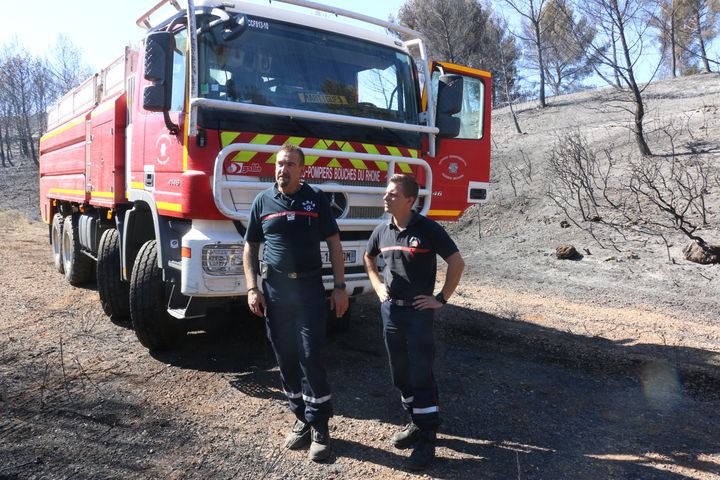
[350, 256]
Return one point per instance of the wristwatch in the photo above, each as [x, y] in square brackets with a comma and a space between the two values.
[441, 298]
[339, 286]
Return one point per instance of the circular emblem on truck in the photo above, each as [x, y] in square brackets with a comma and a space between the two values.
[162, 146]
[338, 203]
[452, 167]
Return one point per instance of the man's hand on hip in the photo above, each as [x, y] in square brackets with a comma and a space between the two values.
[424, 302]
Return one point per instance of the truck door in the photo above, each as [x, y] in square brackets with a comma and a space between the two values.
[461, 166]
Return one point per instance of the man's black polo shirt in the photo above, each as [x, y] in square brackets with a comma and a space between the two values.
[292, 228]
[410, 255]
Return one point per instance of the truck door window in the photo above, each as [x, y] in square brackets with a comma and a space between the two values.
[179, 67]
[471, 115]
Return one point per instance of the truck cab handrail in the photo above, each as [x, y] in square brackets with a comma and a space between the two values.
[341, 12]
[223, 185]
[144, 20]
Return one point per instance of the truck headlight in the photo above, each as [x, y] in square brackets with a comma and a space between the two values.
[222, 259]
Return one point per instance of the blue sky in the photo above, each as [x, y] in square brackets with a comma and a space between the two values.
[102, 28]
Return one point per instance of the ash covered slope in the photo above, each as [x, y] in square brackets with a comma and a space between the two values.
[510, 242]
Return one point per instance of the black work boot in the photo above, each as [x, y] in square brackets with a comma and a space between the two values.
[423, 453]
[407, 437]
[320, 446]
[299, 437]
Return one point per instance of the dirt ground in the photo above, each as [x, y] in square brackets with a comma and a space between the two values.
[523, 396]
[601, 368]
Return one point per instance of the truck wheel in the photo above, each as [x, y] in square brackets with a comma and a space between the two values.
[154, 327]
[77, 265]
[56, 242]
[113, 291]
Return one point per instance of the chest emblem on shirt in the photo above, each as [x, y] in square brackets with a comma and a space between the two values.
[308, 205]
[414, 242]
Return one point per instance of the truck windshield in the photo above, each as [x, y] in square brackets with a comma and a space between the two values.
[283, 65]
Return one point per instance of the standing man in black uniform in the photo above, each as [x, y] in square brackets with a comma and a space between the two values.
[292, 219]
[408, 243]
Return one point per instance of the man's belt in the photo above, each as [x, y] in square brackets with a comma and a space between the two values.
[267, 271]
[401, 302]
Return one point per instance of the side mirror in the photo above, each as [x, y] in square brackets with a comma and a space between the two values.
[449, 102]
[159, 48]
[234, 27]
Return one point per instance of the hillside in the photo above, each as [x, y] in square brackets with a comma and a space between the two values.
[630, 292]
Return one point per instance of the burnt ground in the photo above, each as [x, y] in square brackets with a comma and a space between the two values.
[602, 367]
[81, 398]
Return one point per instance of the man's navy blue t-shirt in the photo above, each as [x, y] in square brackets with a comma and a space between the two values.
[292, 227]
[409, 255]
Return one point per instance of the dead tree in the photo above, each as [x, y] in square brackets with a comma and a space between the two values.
[506, 75]
[532, 12]
[624, 23]
[670, 193]
[581, 186]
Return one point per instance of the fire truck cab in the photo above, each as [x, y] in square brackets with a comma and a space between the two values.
[148, 169]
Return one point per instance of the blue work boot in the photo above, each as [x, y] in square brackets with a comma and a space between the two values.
[299, 437]
[407, 437]
[423, 453]
[320, 447]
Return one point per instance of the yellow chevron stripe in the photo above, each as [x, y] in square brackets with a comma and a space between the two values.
[359, 164]
[261, 139]
[369, 148]
[322, 144]
[295, 140]
[226, 138]
[244, 156]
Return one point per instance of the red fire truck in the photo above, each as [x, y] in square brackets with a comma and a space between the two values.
[149, 168]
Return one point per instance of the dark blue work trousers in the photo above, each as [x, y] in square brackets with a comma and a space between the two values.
[410, 344]
[296, 319]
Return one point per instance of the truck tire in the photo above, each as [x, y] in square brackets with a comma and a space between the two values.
[153, 326]
[56, 242]
[77, 265]
[113, 291]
